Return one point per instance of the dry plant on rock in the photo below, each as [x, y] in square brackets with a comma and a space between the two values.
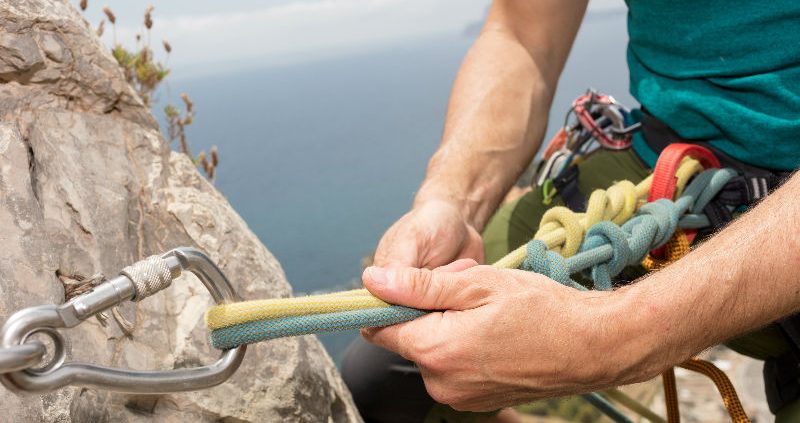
[145, 73]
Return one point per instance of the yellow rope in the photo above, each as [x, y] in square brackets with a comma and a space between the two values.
[247, 311]
[676, 247]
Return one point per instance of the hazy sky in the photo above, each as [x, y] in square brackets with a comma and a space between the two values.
[210, 36]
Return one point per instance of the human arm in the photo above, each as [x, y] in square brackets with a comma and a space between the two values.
[509, 336]
[495, 122]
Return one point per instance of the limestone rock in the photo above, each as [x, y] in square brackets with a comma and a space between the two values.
[88, 184]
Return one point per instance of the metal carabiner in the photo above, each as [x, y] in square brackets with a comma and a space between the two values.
[48, 319]
[21, 357]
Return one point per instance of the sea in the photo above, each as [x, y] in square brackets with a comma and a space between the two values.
[319, 158]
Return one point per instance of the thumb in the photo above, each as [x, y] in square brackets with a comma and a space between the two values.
[457, 266]
[425, 289]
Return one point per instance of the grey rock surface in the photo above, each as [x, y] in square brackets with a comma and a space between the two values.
[87, 185]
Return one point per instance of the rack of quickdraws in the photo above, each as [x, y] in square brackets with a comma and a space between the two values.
[594, 121]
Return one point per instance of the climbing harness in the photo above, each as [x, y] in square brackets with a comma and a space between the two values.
[782, 373]
[23, 363]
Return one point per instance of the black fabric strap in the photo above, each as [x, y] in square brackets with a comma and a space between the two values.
[782, 374]
[566, 185]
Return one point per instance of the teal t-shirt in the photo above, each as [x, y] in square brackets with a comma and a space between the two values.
[723, 71]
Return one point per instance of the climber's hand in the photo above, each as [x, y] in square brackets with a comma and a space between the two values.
[507, 336]
[431, 234]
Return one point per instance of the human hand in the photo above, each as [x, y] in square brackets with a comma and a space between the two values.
[432, 234]
[507, 337]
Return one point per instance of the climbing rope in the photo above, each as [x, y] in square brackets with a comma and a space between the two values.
[633, 405]
[606, 250]
[617, 230]
[676, 248]
[245, 311]
[723, 384]
[606, 407]
[671, 396]
[253, 331]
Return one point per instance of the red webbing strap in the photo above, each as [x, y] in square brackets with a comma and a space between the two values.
[665, 181]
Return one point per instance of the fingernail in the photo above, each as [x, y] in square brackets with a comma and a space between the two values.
[379, 275]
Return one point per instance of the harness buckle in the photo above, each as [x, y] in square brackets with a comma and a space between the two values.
[48, 319]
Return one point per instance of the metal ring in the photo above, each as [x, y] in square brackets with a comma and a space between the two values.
[22, 356]
[59, 350]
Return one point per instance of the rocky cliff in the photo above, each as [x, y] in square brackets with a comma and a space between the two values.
[88, 185]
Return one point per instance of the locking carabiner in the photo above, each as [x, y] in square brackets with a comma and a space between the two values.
[136, 282]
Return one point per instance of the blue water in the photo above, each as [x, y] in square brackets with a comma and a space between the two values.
[320, 158]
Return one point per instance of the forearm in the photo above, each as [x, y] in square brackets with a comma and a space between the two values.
[495, 122]
[741, 279]
[498, 110]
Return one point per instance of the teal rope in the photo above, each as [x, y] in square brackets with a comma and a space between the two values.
[606, 250]
[262, 330]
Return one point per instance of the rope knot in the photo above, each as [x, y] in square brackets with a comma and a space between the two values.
[609, 234]
[621, 202]
[666, 217]
[562, 217]
[546, 262]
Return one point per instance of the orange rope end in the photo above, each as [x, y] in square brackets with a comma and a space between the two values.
[724, 385]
